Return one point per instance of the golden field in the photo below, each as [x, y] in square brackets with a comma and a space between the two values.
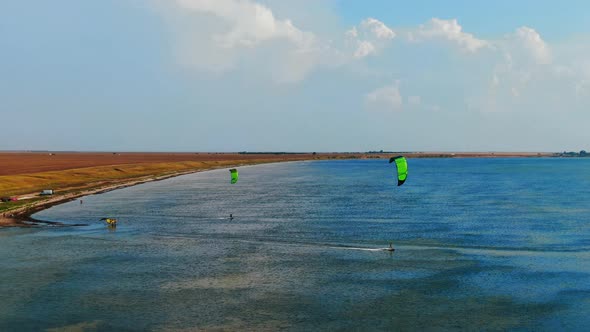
[73, 171]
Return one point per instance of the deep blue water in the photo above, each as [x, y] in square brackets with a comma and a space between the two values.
[481, 244]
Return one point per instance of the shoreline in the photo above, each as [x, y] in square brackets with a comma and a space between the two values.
[21, 217]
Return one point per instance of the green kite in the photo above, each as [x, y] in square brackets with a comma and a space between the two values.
[234, 175]
[402, 168]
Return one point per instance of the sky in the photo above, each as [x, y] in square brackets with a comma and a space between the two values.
[283, 75]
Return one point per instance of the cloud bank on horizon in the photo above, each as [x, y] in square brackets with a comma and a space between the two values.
[293, 76]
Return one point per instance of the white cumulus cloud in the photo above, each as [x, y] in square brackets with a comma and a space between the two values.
[369, 37]
[386, 98]
[220, 35]
[248, 37]
[377, 28]
[249, 23]
[531, 41]
[448, 30]
[364, 48]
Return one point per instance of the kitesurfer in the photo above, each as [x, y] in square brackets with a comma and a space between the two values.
[390, 247]
[231, 217]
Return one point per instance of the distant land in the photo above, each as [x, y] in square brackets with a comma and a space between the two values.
[70, 174]
[28, 162]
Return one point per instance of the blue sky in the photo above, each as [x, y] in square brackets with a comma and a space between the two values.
[489, 19]
[308, 75]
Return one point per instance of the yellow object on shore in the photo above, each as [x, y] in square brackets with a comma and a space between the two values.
[110, 221]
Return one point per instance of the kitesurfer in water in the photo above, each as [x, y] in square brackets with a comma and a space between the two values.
[231, 217]
[390, 247]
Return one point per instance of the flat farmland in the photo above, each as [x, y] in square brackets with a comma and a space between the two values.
[27, 173]
[15, 163]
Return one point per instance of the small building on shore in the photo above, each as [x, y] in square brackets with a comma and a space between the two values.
[46, 192]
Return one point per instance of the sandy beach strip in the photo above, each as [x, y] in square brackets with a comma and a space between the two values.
[21, 216]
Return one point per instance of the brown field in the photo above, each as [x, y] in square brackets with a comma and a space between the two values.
[27, 173]
[12, 163]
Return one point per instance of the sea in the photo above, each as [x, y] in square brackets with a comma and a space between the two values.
[480, 244]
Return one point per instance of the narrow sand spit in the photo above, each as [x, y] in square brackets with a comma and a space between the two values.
[21, 217]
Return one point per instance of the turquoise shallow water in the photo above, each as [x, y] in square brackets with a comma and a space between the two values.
[488, 244]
